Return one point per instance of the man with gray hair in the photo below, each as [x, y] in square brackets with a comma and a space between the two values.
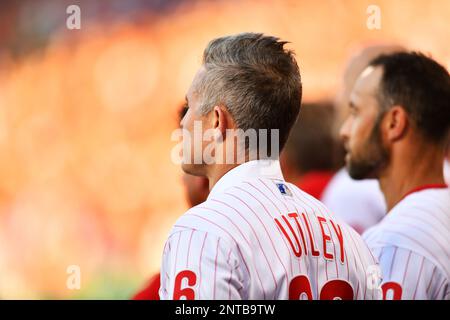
[256, 236]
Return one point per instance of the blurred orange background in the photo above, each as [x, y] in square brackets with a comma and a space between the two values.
[86, 176]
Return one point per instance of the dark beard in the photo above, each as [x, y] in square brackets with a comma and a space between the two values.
[373, 158]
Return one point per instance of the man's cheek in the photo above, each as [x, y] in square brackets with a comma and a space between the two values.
[357, 145]
[354, 139]
[360, 132]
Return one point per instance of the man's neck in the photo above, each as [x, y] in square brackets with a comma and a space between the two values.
[409, 169]
[218, 171]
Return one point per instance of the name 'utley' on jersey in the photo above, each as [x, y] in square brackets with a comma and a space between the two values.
[259, 237]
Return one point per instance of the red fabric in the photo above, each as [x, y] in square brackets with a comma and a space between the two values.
[426, 186]
[151, 291]
[315, 182]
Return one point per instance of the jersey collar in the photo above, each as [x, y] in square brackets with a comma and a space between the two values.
[425, 187]
[249, 170]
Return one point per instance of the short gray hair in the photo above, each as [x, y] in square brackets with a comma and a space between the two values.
[255, 78]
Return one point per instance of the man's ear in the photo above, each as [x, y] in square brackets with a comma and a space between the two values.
[220, 119]
[396, 123]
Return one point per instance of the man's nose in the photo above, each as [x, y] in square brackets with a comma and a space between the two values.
[344, 131]
[182, 122]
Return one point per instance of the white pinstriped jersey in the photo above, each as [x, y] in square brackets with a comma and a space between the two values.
[258, 237]
[412, 245]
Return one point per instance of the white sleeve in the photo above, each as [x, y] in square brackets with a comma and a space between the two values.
[410, 276]
[199, 265]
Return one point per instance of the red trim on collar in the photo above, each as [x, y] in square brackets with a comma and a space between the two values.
[426, 186]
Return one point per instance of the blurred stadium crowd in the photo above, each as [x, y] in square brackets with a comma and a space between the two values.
[86, 118]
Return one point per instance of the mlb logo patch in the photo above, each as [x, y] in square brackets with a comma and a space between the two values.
[284, 190]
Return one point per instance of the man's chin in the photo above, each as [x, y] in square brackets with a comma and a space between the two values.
[193, 169]
[187, 168]
[358, 172]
